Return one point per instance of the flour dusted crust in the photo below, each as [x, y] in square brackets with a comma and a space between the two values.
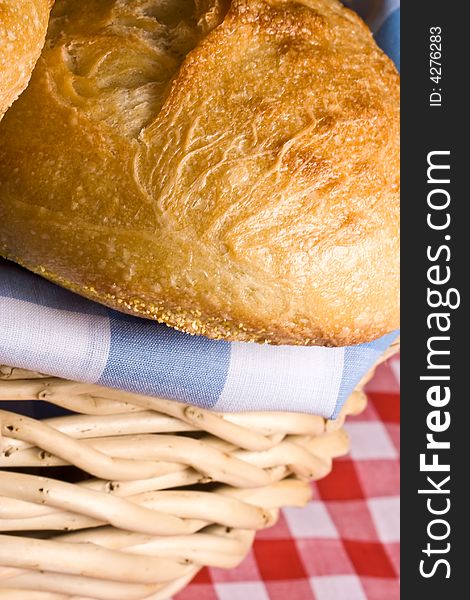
[23, 25]
[230, 169]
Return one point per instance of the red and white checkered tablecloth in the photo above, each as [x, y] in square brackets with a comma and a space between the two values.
[345, 544]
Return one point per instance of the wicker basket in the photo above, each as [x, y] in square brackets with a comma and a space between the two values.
[127, 498]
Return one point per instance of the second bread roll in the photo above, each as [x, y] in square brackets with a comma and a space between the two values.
[23, 25]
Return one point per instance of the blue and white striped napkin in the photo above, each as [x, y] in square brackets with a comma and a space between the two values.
[46, 328]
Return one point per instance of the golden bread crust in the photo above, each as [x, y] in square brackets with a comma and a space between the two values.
[23, 25]
[232, 171]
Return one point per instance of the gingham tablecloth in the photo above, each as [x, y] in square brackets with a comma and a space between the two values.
[345, 544]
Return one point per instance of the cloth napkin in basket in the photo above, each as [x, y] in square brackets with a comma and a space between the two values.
[48, 329]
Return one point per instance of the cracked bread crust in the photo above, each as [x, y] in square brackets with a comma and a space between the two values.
[230, 169]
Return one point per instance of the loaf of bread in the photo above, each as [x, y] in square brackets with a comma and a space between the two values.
[228, 168]
[23, 25]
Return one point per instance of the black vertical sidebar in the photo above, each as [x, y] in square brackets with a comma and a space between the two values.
[435, 232]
